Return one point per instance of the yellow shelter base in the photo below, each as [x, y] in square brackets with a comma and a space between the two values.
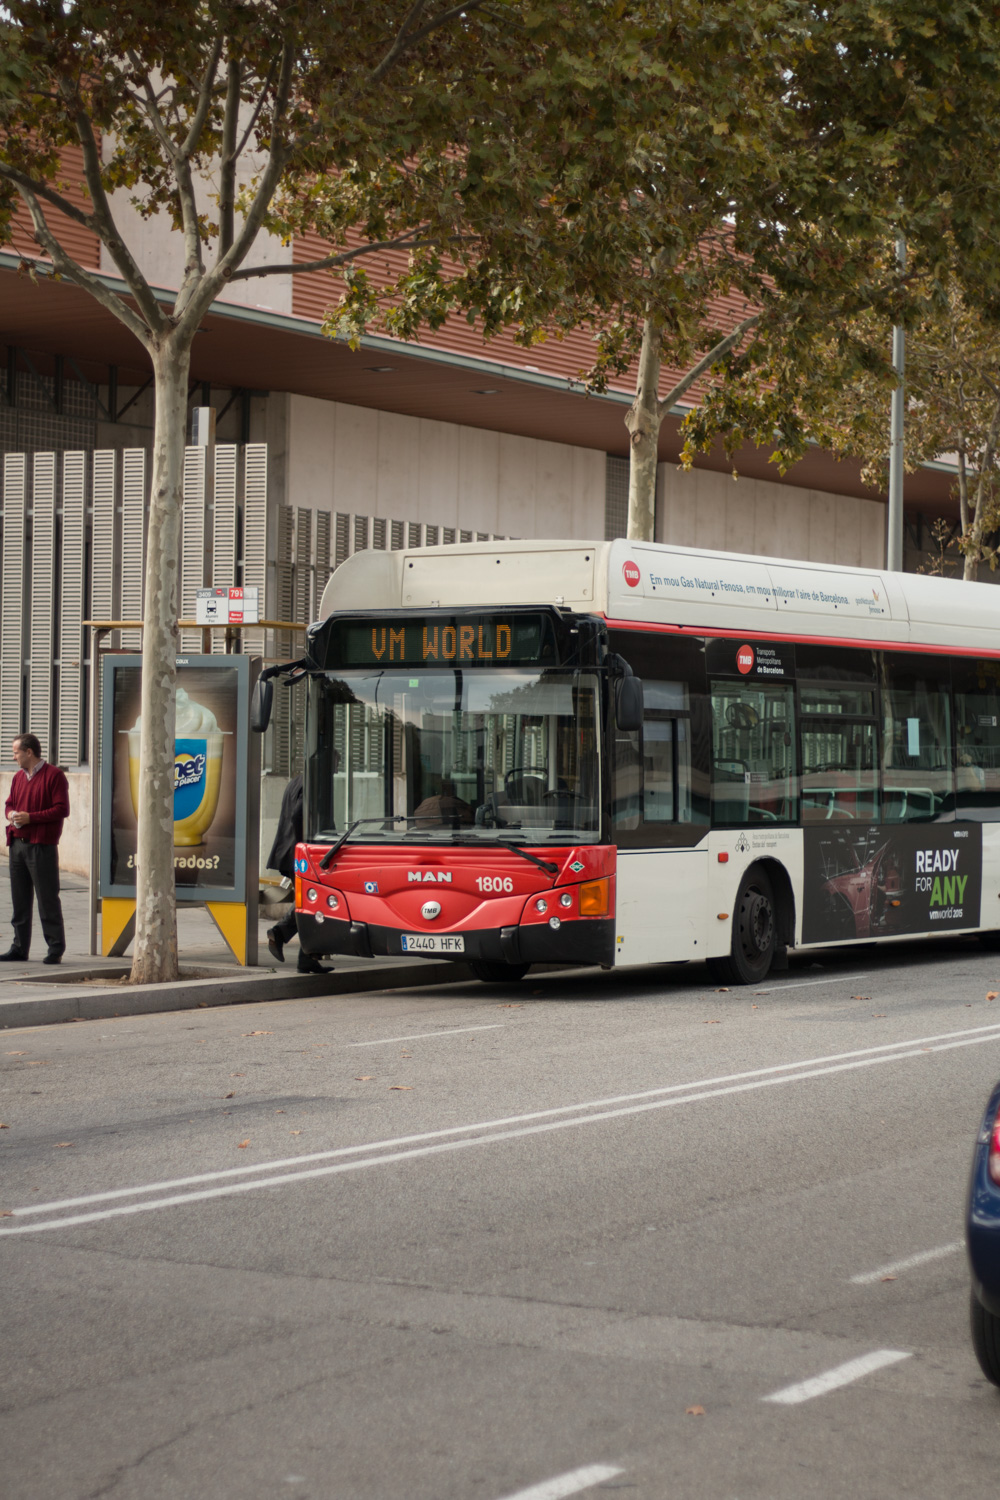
[117, 925]
[230, 917]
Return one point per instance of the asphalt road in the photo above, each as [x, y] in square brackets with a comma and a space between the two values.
[606, 1234]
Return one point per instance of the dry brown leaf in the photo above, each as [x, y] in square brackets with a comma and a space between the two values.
[363, 1077]
[694, 1411]
[21, 1054]
[295, 1132]
[43, 1064]
[723, 991]
[514, 1004]
[230, 1095]
[402, 1087]
[755, 1007]
[990, 995]
[3, 1126]
[6, 1213]
[60, 1144]
[711, 1023]
[279, 1111]
[237, 1075]
[887, 1278]
[242, 1145]
[258, 1033]
[878, 1015]
[861, 997]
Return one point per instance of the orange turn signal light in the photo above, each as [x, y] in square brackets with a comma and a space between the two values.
[298, 892]
[595, 898]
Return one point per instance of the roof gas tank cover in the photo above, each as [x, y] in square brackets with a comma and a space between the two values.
[533, 574]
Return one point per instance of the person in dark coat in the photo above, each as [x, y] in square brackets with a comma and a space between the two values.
[37, 807]
[282, 859]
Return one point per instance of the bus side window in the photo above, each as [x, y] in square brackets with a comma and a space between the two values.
[917, 754]
[977, 739]
[753, 753]
[626, 785]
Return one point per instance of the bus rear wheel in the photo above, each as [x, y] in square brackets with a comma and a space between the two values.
[753, 933]
[497, 973]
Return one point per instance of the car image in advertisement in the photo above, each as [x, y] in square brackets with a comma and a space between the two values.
[885, 880]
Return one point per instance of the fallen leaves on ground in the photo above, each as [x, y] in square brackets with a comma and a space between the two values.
[363, 1077]
[861, 997]
[61, 1144]
[723, 990]
[44, 1063]
[887, 1278]
[237, 1075]
[990, 995]
[21, 1054]
[6, 1213]
[402, 1087]
[258, 1033]
[711, 1023]
[295, 1132]
[515, 1004]
[878, 1015]
[3, 1126]
[242, 1145]
[230, 1095]
[694, 1411]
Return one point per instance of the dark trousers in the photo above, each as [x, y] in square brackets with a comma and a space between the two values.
[286, 928]
[34, 870]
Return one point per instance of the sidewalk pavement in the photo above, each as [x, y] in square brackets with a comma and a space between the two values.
[86, 987]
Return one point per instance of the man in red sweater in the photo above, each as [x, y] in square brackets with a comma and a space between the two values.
[37, 807]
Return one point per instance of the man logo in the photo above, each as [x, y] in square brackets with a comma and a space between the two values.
[430, 877]
[744, 659]
[631, 574]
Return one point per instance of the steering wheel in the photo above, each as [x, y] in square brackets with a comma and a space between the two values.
[742, 716]
[563, 794]
[519, 773]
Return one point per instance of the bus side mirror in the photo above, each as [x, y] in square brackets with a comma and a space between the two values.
[628, 704]
[260, 705]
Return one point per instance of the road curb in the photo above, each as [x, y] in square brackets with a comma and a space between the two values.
[92, 1003]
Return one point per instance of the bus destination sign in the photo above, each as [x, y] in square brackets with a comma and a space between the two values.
[442, 640]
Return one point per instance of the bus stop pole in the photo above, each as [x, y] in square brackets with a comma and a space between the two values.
[894, 547]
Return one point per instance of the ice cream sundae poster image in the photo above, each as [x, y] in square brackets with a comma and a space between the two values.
[209, 777]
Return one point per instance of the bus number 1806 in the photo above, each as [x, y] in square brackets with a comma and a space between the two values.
[497, 884]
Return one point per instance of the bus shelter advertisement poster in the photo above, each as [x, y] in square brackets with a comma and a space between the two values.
[209, 768]
[882, 880]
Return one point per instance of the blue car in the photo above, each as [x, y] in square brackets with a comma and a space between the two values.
[984, 1241]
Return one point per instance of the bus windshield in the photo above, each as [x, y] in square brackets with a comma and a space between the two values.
[442, 754]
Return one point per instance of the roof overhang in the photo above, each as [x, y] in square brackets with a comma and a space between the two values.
[259, 348]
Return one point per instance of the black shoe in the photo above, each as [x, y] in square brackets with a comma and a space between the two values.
[309, 965]
[275, 944]
[13, 957]
[54, 956]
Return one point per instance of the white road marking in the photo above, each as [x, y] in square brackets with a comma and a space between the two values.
[800, 984]
[921, 1259]
[682, 1094]
[423, 1036]
[452, 1130]
[840, 1375]
[567, 1484]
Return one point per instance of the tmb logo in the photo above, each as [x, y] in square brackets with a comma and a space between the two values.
[631, 574]
[744, 659]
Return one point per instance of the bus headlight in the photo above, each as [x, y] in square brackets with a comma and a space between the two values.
[332, 902]
[312, 894]
[565, 899]
[541, 904]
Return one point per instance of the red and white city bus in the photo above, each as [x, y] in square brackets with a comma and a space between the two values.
[625, 753]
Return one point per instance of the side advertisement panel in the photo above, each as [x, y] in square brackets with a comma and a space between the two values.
[210, 776]
[884, 880]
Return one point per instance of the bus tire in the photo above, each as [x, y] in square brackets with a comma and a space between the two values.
[754, 933]
[986, 1340]
[990, 941]
[497, 973]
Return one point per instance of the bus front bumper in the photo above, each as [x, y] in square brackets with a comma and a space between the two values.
[581, 942]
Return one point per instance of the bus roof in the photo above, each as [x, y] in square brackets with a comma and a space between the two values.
[647, 583]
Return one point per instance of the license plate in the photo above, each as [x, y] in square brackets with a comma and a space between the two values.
[431, 942]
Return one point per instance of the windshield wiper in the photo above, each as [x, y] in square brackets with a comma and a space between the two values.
[543, 864]
[386, 818]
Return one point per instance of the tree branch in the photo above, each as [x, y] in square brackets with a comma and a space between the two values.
[330, 262]
[722, 347]
[227, 163]
[399, 44]
[66, 266]
[104, 220]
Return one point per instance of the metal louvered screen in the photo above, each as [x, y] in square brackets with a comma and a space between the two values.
[224, 525]
[615, 497]
[133, 541]
[42, 605]
[70, 731]
[15, 473]
[323, 569]
[104, 595]
[254, 520]
[284, 644]
[194, 536]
